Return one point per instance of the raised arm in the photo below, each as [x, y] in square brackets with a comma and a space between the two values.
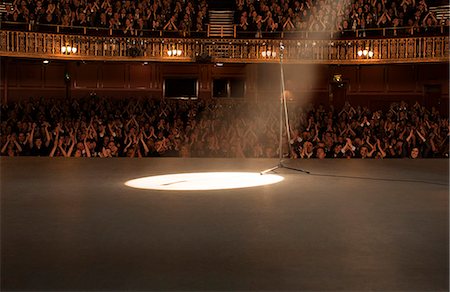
[48, 138]
[69, 152]
[86, 148]
[31, 136]
[383, 153]
[421, 136]
[8, 139]
[14, 140]
[146, 150]
[55, 145]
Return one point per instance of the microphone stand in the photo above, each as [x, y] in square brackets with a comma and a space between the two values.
[283, 107]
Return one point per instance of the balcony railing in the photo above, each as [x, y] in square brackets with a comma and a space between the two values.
[384, 50]
[439, 30]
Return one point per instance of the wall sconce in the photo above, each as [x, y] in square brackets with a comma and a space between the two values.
[68, 49]
[366, 53]
[174, 52]
[268, 53]
[337, 78]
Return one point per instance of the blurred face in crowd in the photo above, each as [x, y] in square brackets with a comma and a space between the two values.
[337, 148]
[308, 147]
[320, 153]
[363, 151]
[415, 153]
[21, 137]
[80, 146]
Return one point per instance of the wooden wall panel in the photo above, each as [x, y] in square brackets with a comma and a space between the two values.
[268, 77]
[19, 93]
[87, 75]
[372, 85]
[156, 76]
[301, 77]
[2, 71]
[30, 75]
[204, 80]
[4, 81]
[117, 93]
[229, 70]
[445, 85]
[114, 75]
[11, 74]
[401, 78]
[177, 69]
[322, 78]
[430, 72]
[54, 75]
[434, 74]
[350, 75]
[376, 101]
[251, 81]
[140, 76]
[372, 78]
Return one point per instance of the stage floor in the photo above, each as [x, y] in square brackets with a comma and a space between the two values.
[72, 224]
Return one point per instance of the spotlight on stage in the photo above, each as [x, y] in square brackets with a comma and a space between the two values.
[204, 181]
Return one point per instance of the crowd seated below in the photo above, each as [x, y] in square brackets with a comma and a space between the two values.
[102, 127]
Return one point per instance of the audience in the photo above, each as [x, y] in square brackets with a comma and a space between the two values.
[253, 18]
[129, 16]
[101, 127]
[343, 16]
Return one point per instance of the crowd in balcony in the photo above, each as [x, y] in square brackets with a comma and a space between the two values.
[254, 18]
[131, 17]
[101, 127]
[361, 18]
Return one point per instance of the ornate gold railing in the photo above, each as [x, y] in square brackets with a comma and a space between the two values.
[385, 50]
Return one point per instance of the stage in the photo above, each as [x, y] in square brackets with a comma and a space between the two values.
[351, 225]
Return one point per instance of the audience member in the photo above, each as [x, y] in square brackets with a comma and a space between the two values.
[101, 127]
[346, 16]
[129, 16]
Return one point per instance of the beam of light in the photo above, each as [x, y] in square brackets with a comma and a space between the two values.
[204, 181]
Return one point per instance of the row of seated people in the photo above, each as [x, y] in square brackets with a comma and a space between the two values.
[262, 18]
[102, 127]
[130, 17]
[348, 18]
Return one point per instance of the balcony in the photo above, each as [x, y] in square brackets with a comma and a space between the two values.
[309, 49]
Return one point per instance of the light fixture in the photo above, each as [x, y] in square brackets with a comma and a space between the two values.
[365, 53]
[268, 53]
[45, 61]
[68, 49]
[202, 181]
[174, 52]
[337, 78]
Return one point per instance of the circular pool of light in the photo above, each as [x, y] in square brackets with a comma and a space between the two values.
[204, 181]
